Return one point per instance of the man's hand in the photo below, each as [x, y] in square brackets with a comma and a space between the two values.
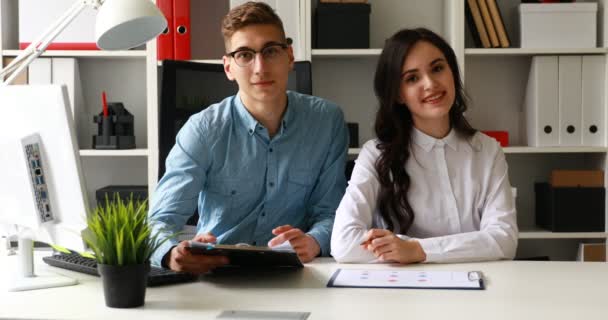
[182, 260]
[386, 246]
[303, 244]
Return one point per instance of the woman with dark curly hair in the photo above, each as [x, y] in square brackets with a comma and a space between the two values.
[430, 188]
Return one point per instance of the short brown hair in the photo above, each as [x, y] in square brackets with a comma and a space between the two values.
[247, 14]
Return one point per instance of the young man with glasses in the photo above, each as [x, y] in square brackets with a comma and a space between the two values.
[264, 167]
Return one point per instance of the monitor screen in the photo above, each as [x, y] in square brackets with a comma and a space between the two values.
[189, 87]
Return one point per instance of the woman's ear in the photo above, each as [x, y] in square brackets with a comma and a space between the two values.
[400, 99]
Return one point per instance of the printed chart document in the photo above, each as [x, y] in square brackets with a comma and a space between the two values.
[407, 279]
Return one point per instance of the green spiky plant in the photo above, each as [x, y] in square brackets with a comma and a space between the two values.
[121, 234]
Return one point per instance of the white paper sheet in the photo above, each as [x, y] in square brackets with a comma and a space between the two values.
[361, 278]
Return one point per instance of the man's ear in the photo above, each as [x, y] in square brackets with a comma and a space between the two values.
[291, 57]
[227, 65]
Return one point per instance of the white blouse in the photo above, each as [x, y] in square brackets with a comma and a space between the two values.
[459, 191]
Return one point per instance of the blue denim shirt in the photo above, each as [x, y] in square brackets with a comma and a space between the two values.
[245, 183]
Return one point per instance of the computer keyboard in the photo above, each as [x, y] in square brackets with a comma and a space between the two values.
[75, 262]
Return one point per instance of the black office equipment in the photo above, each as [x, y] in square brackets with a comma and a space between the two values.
[353, 134]
[342, 25]
[140, 193]
[189, 87]
[75, 262]
[116, 131]
[570, 209]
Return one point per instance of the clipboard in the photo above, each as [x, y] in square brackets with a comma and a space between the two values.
[243, 255]
[407, 279]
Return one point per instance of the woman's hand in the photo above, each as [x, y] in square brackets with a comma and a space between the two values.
[386, 246]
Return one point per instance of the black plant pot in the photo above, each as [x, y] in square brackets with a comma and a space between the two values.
[124, 286]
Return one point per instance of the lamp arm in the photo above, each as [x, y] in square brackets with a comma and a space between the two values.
[38, 46]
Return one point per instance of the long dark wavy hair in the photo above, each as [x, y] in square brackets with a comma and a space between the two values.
[394, 123]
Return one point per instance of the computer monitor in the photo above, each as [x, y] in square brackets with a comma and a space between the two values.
[41, 190]
[189, 87]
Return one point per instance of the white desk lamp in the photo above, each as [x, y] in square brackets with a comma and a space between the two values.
[121, 25]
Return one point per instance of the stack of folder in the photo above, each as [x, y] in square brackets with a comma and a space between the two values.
[174, 43]
[564, 102]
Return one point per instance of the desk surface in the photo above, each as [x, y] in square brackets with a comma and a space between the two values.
[514, 290]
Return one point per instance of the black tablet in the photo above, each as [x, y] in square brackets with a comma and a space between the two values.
[249, 256]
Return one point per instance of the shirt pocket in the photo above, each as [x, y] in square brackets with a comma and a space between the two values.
[299, 186]
[232, 194]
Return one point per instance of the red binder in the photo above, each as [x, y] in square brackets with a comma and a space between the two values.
[164, 42]
[181, 27]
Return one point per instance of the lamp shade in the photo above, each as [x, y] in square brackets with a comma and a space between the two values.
[124, 24]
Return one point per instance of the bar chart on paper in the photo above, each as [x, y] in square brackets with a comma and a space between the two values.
[360, 278]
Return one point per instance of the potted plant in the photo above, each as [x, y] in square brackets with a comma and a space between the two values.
[121, 236]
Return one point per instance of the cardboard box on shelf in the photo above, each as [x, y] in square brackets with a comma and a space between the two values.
[558, 25]
[577, 178]
[591, 252]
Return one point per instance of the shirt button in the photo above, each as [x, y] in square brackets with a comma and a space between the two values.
[270, 150]
[263, 214]
[262, 206]
[233, 192]
[271, 184]
[250, 130]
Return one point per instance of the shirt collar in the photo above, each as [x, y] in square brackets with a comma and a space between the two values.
[248, 120]
[427, 142]
[251, 123]
[290, 112]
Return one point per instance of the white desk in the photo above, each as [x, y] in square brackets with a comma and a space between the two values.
[514, 290]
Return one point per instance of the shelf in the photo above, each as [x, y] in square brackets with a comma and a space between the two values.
[214, 61]
[543, 234]
[531, 51]
[114, 153]
[84, 53]
[342, 53]
[512, 150]
[554, 149]
[354, 151]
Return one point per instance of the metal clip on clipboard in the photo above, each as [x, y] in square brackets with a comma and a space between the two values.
[475, 276]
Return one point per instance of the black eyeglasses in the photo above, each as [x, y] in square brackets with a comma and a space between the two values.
[245, 56]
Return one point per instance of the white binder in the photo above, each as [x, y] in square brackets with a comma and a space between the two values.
[541, 104]
[593, 97]
[40, 71]
[66, 72]
[570, 97]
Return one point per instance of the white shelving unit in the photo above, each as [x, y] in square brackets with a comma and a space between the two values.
[344, 53]
[495, 80]
[84, 53]
[114, 153]
[531, 52]
[127, 77]
[542, 234]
